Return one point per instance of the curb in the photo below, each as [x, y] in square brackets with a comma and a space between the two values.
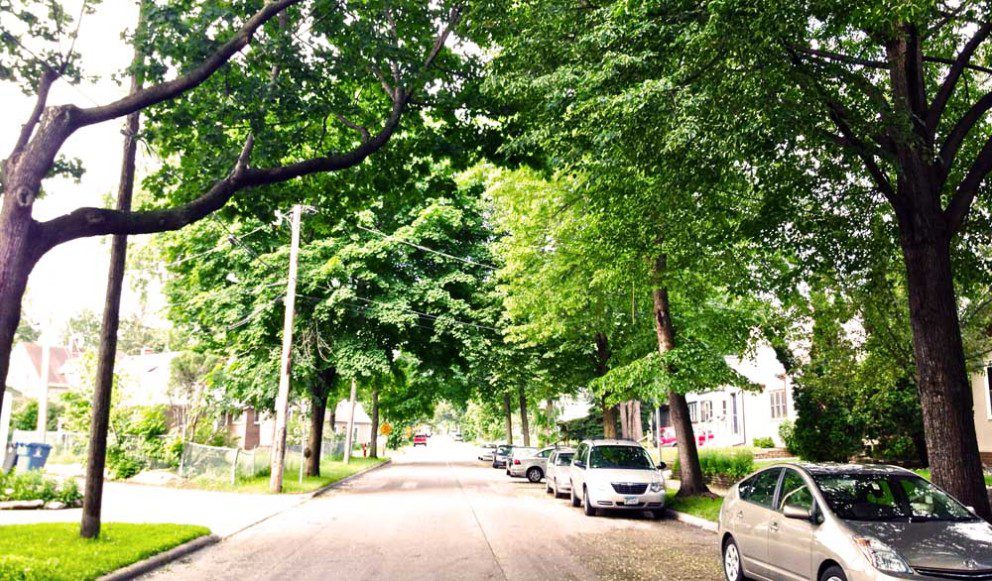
[135, 570]
[692, 520]
[324, 489]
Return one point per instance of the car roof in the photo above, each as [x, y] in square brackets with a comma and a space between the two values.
[612, 442]
[828, 468]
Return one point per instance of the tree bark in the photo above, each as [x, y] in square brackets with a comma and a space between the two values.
[524, 423]
[103, 390]
[318, 409]
[945, 392]
[690, 472]
[624, 409]
[509, 418]
[374, 445]
[610, 413]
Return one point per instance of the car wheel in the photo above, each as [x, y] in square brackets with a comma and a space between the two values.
[587, 504]
[658, 514]
[833, 573]
[733, 565]
[575, 499]
[494, 464]
[547, 486]
[534, 475]
[554, 488]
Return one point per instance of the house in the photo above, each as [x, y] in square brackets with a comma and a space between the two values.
[256, 429]
[730, 416]
[34, 367]
[8, 403]
[981, 389]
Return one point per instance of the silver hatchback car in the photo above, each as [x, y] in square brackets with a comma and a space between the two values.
[845, 522]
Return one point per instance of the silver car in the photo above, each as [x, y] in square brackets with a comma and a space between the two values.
[558, 463]
[529, 463]
[845, 522]
[487, 452]
[516, 456]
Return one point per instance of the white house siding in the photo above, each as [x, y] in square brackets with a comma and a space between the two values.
[981, 387]
[715, 411]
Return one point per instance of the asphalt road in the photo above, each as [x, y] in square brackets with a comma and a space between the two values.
[438, 513]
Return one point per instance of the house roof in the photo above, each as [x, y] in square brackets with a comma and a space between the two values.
[58, 356]
[342, 409]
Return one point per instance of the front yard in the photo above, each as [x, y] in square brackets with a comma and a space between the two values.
[704, 507]
[330, 472]
[55, 551]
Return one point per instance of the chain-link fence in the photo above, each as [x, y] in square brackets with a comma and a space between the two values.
[67, 447]
[229, 464]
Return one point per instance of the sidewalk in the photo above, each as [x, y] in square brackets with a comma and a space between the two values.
[224, 513]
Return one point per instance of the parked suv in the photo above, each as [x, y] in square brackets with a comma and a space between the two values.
[556, 473]
[529, 463]
[842, 522]
[502, 453]
[616, 474]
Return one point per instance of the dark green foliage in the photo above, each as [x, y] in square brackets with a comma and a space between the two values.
[730, 464]
[139, 441]
[25, 415]
[766, 442]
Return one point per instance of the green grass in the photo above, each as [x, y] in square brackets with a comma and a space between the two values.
[925, 472]
[54, 551]
[702, 506]
[330, 472]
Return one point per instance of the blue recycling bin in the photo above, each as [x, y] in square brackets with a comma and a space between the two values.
[32, 456]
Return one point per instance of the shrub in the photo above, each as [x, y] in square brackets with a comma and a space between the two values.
[787, 431]
[34, 485]
[728, 464]
[764, 442]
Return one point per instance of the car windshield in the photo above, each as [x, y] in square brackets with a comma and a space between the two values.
[625, 457]
[888, 497]
[564, 458]
[504, 449]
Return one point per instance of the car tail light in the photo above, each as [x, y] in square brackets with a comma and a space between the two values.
[516, 462]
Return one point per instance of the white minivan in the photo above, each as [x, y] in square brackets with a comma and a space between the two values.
[616, 474]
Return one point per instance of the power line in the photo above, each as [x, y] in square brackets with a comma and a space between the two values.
[426, 249]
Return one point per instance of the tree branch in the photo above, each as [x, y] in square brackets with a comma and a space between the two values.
[952, 144]
[957, 210]
[950, 81]
[44, 85]
[170, 89]
[362, 130]
[842, 58]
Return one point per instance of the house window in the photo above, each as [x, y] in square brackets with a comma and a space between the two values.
[693, 411]
[778, 403]
[706, 411]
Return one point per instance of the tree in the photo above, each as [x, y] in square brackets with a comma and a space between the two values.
[202, 39]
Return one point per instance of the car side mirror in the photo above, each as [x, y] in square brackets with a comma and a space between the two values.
[578, 464]
[662, 465]
[796, 512]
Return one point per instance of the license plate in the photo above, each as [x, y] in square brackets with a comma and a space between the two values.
[630, 500]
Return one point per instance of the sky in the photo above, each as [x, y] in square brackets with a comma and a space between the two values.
[72, 277]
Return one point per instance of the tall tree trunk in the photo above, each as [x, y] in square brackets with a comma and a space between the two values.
[625, 420]
[945, 393]
[634, 417]
[524, 423]
[509, 418]
[318, 409]
[374, 446]
[690, 472]
[14, 271]
[103, 390]
[610, 413]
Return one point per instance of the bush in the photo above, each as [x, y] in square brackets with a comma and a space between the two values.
[728, 464]
[787, 431]
[764, 443]
[140, 441]
[25, 415]
[35, 486]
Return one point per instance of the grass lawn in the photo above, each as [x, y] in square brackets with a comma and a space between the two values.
[330, 472]
[54, 551]
[925, 472]
[701, 506]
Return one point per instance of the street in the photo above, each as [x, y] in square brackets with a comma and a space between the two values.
[438, 513]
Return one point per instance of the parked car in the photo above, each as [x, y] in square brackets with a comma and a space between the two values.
[556, 474]
[517, 453]
[419, 440]
[457, 436]
[831, 522]
[616, 474]
[502, 452]
[487, 452]
[529, 463]
[668, 437]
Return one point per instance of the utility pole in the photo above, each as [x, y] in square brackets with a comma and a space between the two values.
[348, 443]
[282, 399]
[89, 526]
[45, 379]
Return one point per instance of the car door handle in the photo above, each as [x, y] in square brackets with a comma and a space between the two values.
[773, 527]
[740, 515]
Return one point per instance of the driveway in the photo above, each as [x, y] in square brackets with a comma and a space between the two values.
[437, 513]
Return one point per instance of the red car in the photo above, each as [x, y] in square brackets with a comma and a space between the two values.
[420, 440]
[668, 437]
